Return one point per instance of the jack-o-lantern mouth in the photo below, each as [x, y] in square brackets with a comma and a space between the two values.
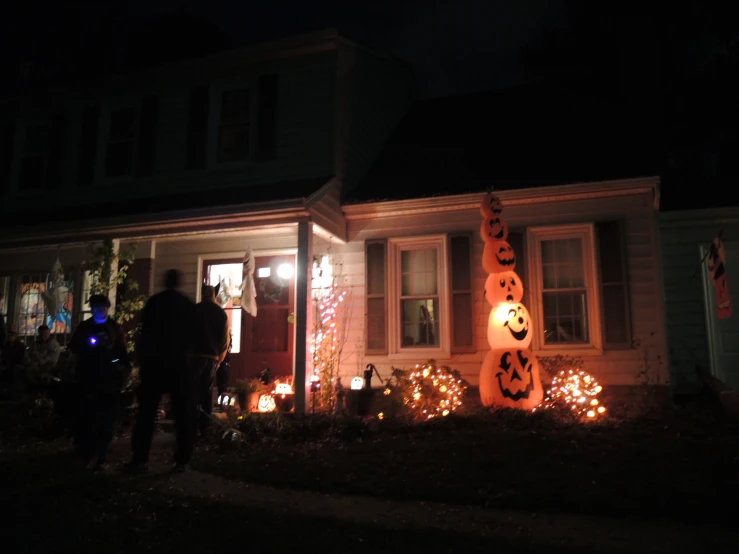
[508, 259]
[505, 364]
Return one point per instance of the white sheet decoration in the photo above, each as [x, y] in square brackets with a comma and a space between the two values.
[248, 289]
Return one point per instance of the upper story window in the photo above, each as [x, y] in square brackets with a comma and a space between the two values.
[234, 132]
[119, 157]
[34, 158]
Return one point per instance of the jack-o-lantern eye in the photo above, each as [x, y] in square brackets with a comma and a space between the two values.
[502, 283]
[513, 282]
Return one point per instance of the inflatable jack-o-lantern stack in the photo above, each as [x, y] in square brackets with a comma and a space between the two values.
[509, 376]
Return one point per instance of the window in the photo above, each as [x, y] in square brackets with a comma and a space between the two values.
[235, 126]
[564, 278]
[33, 162]
[419, 297]
[119, 156]
[42, 300]
[229, 277]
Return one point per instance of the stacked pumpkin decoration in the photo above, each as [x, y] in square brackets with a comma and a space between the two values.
[509, 376]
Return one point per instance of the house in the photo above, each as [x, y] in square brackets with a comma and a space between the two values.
[699, 338]
[192, 162]
[413, 224]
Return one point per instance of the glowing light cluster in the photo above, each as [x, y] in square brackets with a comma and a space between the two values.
[577, 390]
[433, 391]
[325, 344]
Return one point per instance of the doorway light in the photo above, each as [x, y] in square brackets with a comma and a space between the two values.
[285, 271]
[263, 272]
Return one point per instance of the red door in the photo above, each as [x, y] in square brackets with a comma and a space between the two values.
[269, 338]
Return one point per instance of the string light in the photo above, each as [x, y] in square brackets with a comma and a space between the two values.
[433, 391]
[576, 390]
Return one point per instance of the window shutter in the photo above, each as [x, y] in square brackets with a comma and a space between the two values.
[7, 138]
[56, 150]
[460, 279]
[614, 290]
[376, 293]
[197, 132]
[267, 117]
[517, 242]
[147, 136]
[88, 146]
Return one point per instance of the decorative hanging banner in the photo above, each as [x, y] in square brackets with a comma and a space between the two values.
[248, 289]
[717, 268]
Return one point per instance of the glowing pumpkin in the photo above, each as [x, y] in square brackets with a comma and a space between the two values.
[505, 286]
[493, 228]
[508, 326]
[510, 378]
[498, 256]
[266, 403]
[490, 205]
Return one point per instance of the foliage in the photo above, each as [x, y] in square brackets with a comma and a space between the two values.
[250, 385]
[280, 427]
[425, 392]
[109, 269]
[554, 365]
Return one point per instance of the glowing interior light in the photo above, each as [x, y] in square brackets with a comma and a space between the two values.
[285, 271]
[263, 272]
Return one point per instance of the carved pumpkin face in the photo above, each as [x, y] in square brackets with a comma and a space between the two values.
[511, 378]
[266, 403]
[498, 257]
[508, 326]
[505, 286]
[490, 205]
[493, 228]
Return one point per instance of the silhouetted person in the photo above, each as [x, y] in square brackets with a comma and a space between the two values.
[102, 370]
[211, 344]
[224, 369]
[168, 329]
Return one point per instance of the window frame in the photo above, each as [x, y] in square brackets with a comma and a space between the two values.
[591, 271]
[395, 348]
[214, 122]
[104, 134]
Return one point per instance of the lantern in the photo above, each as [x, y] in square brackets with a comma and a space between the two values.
[283, 388]
[494, 228]
[505, 286]
[357, 383]
[498, 256]
[490, 205]
[508, 326]
[510, 378]
[266, 403]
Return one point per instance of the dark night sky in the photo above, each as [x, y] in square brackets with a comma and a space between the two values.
[675, 69]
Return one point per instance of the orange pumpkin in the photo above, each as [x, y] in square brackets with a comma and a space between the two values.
[493, 228]
[509, 326]
[503, 287]
[510, 378]
[498, 256]
[490, 205]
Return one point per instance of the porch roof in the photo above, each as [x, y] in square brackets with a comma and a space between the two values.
[511, 139]
[270, 203]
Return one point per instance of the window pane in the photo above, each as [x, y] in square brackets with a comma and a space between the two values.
[234, 143]
[119, 159]
[562, 264]
[420, 321]
[418, 272]
[32, 173]
[565, 317]
[42, 301]
[228, 276]
[123, 124]
[36, 141]
[235, 106]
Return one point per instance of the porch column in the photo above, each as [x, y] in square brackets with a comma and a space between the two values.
[303, 324]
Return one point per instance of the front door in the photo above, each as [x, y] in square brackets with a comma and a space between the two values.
[267, 339]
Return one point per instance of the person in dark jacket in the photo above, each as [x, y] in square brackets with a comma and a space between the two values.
[164, 349]
[224, 370]
[211, 345]
[102, 369]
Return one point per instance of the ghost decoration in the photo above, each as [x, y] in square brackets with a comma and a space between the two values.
[498, 256]
[510, 378]
[248, 288]
[503, 287]
[357, 383]
[490, 205]
[494, 228]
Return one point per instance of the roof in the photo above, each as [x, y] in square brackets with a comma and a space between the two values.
[159, 208]
[508, 139]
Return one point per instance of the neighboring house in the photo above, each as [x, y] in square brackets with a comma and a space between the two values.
[697, 337]
[194, 161]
